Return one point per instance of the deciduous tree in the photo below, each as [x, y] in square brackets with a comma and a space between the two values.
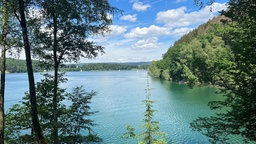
[73, 118]
[62, 35]
[238, 81]
[3, 68]
[76, 119]
[32, 92]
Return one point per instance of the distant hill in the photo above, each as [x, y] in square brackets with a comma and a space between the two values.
[19, 66]
[197, 57]
[105, 66]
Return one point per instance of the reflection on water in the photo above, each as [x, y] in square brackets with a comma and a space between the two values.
[119, 102]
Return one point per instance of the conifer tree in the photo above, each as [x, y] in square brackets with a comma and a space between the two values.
[151, 133]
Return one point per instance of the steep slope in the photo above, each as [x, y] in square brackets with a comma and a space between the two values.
[198, 57]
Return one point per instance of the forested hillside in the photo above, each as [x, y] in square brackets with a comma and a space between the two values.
[105, 66]
[19, 66]
[221, 52]
[197, 57]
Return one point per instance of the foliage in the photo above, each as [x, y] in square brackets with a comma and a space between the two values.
[153, 69]
[75, 121]
[9, 38]
[73, 118]
[104, 66]
[44, 90]
[13, 35]
[238, 81]
[19, 66]
[3, 67]
[60, 34]
[220, 52]
[197, 57]
[20, 7]
[73, 22]
[151, 133]
[18, 124]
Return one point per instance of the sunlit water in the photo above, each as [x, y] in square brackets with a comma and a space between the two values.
[119, 102]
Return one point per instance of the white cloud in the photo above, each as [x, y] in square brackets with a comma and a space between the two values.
[126, 43]
[171, 17]
[127, 52]
[149, 43]
[216, 7]
[180, 18]
[116, 30]
[131, 18]
[181, 31]
[152, 31]
[139, 6]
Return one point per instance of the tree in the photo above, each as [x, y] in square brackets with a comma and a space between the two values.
[154, 70]
[32, 93]
[45, 91]
[151, 133]
[9, 39]
[73, 118]
[76, 118]
[20, 112]
[194, 59]
[68, 24]
[3, 68]
[18, 119]
[238, 81]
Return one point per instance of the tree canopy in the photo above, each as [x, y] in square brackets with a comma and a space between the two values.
[239, 81]
[222, 54]
[197, 57]
[74, 118]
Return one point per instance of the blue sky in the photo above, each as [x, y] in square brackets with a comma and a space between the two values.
[147, 28]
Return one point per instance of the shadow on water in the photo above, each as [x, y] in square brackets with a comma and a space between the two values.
[119, 102]
[178, 105]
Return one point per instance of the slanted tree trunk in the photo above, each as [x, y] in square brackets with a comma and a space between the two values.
[32, 93]
[55, 88]
[55, 82]
[3, 67]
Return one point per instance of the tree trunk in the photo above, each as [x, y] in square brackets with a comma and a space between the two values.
[3, 67]
[55, 88]
[32, 93]
[55, 103]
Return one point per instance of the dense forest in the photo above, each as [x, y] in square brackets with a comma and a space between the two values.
[19, 66]
[105, 66]
[197, 57]
[54, 33]
[220, 52]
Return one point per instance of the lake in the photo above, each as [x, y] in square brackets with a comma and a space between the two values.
[119, 102]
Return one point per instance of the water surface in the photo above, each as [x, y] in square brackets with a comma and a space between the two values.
[119, 102]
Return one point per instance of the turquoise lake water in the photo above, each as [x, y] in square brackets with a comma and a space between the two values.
[119, 102]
